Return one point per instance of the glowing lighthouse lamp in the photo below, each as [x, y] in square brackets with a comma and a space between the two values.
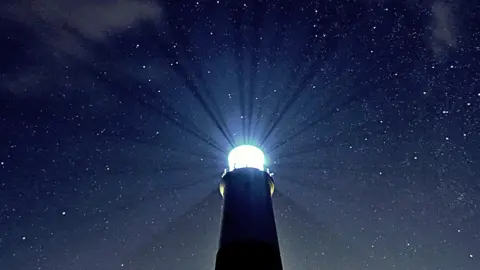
[246, 156]
[248, 238]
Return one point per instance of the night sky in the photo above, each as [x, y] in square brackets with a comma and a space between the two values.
[116, 119]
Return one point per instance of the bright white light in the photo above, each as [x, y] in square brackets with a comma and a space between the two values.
[246, 156]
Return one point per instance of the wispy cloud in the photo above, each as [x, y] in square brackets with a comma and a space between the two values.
[52, 22]
[443, 28]
[93, 19]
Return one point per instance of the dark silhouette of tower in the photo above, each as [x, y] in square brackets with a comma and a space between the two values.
[248, 237]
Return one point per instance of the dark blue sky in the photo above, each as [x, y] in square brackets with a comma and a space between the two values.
[116, 118]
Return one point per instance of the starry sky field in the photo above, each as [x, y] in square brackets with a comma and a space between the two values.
[116, 118]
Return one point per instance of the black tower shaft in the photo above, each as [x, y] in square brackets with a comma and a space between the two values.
[248, 237]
